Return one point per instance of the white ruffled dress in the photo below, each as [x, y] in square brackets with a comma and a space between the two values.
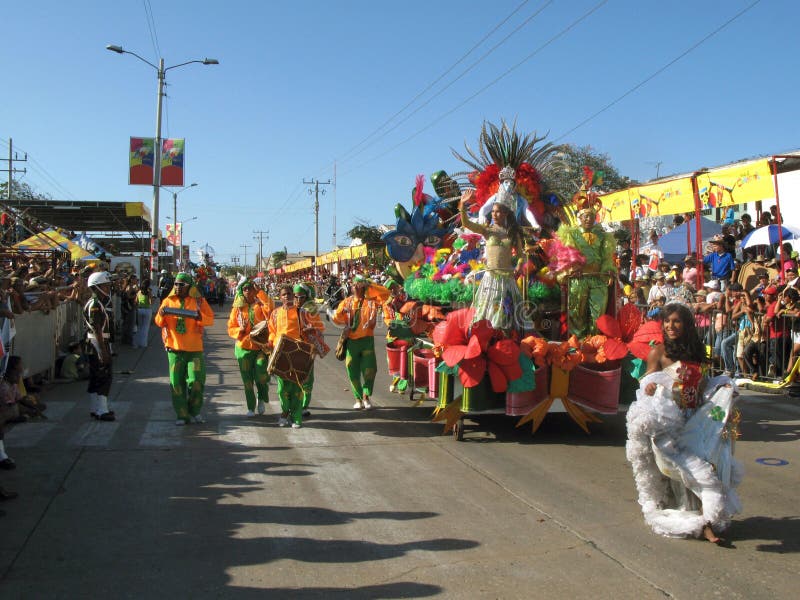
[682, 459]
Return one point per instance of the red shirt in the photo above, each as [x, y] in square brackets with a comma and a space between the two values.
[776, 324]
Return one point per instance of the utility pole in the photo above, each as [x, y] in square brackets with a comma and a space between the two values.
[260, 239]
[334, 205]
[12, 158]
[245, 246]
[316, 183]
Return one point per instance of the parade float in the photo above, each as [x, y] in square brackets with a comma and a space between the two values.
[508, 302]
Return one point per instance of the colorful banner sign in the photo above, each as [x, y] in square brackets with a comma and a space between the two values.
[717, 188]
[142, 155]
[174, 233]
[720, 188]
[140, 161]
[654, 200]
[173, 153]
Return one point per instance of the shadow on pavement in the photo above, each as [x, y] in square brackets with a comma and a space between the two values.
[783, 533]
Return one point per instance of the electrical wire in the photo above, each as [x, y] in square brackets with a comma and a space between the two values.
[659, 70]
[461, 75]
[347, 154]
[474, 95]
[151, 26]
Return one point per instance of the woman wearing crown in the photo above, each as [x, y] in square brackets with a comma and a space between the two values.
[498, 298]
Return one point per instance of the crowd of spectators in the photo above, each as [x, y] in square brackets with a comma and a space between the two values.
[747, 309]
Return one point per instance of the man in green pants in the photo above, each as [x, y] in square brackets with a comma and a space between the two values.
[304, 298]
[246, 314]
[359, 314]
[182, 332]
[295, 323]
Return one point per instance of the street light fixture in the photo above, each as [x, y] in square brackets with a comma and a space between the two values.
[175, 211]
[162, 71]
[180, 240]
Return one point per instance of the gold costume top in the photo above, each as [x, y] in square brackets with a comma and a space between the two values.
[498, 244]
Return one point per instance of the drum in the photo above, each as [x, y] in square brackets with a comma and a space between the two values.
[291, 360]
[260, 333]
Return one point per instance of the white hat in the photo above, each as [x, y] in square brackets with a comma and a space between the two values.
[98, 278]
[712, 285]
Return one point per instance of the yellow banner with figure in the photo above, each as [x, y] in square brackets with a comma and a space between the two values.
[720, 188]
[653, 200]
[616, 207]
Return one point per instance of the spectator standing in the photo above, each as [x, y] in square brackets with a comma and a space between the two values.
[777, 336]
[720, 261]
[144, 314]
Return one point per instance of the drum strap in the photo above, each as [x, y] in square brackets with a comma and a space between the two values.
[357, 316]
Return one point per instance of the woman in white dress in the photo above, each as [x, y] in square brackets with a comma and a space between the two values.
[681, 431]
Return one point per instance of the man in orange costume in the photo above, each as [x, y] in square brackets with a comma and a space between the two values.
[183, 339]
[295, 323]
[247, 312]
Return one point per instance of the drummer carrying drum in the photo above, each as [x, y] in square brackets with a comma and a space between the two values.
[182, 318]
[359, 314]
[247, 324]
[291, 321]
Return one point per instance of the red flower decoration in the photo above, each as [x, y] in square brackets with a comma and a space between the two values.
[627, 333]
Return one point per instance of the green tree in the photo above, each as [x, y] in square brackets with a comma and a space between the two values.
[573, 158]
[365, 232]
[20, 191]
[278, 257]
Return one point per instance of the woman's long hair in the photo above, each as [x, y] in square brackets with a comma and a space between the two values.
[513, 228]
[689, 347]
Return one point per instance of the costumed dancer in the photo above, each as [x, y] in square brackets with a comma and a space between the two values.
[294, 322]
[97, 317]
[681, 431]
[183, 340]
[359, 314]
[498, 298]
[589, 284]
[246, 313]
[304, 298]
[399, 335]
[144, 314]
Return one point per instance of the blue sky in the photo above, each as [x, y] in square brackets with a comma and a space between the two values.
[300, 84]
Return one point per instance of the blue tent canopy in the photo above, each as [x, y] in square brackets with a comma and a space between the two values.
[673, 244]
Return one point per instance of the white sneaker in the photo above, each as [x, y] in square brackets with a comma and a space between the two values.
[367, 404]
[250, 413]
[262, 407]
[198, 419]
[296, 425]
[180, 422]
[283, 422]
[358, 405]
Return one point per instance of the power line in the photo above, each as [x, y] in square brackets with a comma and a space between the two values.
[458, 78]
[151, 26]
[560, 34]
[444, 74]
[660, 70]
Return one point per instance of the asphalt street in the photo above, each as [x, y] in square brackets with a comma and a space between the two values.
[364, 504]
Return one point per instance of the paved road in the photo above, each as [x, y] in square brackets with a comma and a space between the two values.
[363, 505]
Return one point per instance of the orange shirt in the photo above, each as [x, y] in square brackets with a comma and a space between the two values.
[285, 321]
[366, 317]
[269, 303]
[192, 340]
[239, 325]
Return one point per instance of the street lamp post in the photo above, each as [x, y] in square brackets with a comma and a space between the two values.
[162, 71]
[175, 213]
[180, 240]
